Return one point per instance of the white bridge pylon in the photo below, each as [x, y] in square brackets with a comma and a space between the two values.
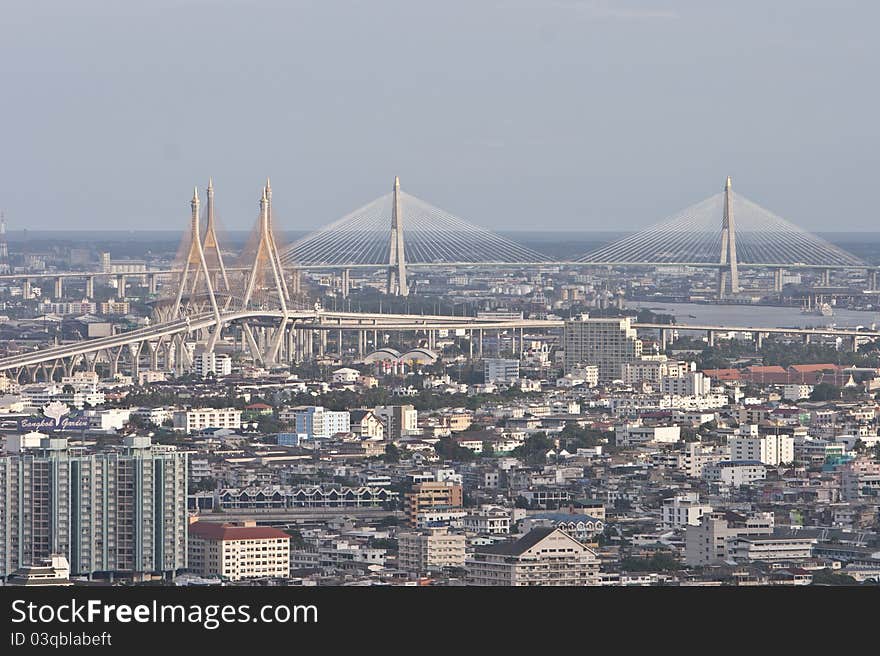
[399, 229]
[692, 236]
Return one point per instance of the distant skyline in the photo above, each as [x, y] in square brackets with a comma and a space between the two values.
[514, 115]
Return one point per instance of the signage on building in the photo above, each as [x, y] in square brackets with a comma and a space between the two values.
[56, 417]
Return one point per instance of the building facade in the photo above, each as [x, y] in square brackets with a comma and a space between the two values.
[120, 510]
[607, 343]
[544, 556]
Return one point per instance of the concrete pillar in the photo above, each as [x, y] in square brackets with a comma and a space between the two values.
[322, 343]
[855, 344]
[480, 352]
[873, 280]
[711, 336]
[361, 343]
[759, 341]
[152, 288]
[663, 337]
[90, 287]
[807, 338]
[120, 286]
[471, 344]
[826, 277]
[59, 288]
[339, 342]
[27, 291]
[346, 276]
[777, 280]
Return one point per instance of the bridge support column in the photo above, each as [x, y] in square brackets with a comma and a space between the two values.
[710, 336]
[152, 288]
[134, 351]
[59, 288]
[663, 339]
[322, 344]
[154, 356]
[807, 338]
[777, 280]
[339, 348]
[345, 282]
[90, 287]
[480, 352]
[873, 280]
[27, 291]
[855, 344]
[826, 277]
[470, 335]
[759, 341]
[120, 286]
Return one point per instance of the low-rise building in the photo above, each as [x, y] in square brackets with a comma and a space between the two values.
[238, 552]
[430, 549]
[544, 556]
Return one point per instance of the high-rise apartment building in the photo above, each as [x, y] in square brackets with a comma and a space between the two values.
[120, 510]
[607, 343]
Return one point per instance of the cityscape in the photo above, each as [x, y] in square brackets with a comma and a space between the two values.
[301, 296]
[403, 397]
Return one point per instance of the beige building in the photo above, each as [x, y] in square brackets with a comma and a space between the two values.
[708, 542]
[424, 497]
[544, 556]
[430, 550]
[238, 552]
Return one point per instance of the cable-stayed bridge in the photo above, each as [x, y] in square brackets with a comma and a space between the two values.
[398, 231]
[259, 291]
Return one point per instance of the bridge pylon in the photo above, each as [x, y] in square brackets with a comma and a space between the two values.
[211, 247]
[195, 273]
[397, 284]
[265, 285]
[728, 269]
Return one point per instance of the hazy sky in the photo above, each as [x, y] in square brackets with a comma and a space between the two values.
[522, 113]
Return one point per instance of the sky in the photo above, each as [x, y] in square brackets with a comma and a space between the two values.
[515, 114]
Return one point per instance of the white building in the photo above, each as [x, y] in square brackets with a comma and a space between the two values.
[735, 472]
[769, 449]
[316, 421]
[683, 510]
[627, 435]
[346, 375]
[238, 552]
[500, 370]
[691, 384]
[209, 362]
[196, 419]
[488, 520]
[108, 421]
[796, 392]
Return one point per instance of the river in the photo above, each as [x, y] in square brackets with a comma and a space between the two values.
[758, 315]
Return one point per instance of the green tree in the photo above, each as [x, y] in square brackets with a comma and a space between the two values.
[825, 392]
